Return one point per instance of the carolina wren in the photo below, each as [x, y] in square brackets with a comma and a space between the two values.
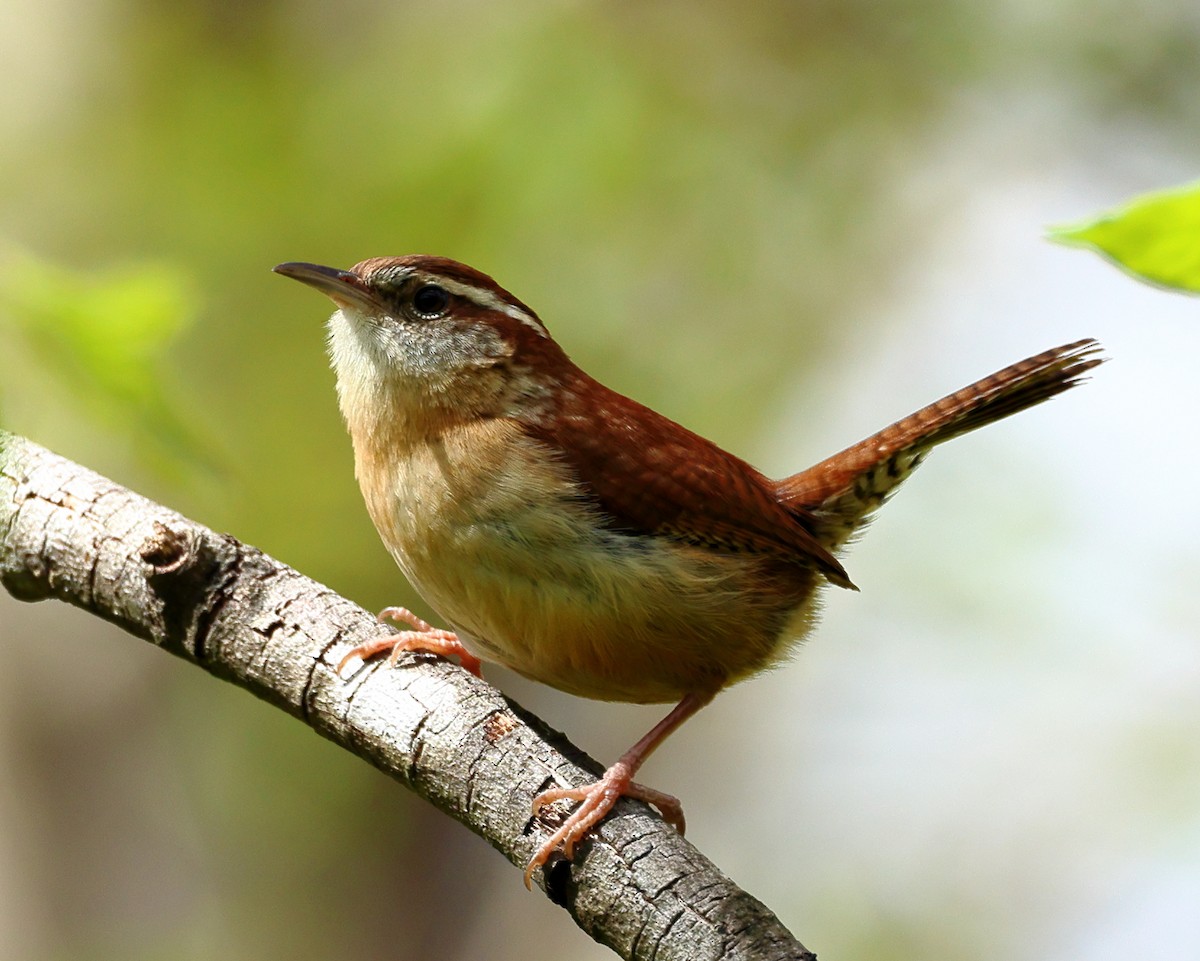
[578, 537]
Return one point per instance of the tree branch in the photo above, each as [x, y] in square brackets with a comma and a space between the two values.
[67, 533]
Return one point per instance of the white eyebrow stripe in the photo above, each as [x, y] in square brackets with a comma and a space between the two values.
[484, 298]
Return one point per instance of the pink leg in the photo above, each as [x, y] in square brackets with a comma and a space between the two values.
[599, 798]
[423, 638]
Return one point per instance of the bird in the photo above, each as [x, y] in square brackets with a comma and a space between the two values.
[580, 538]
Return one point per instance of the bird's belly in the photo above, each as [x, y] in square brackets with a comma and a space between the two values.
[599, 613]
[602, 615]
[524, 570]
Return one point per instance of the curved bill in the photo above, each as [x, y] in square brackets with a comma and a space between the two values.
[345, 288]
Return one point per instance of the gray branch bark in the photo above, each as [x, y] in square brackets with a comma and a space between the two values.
[639, 888]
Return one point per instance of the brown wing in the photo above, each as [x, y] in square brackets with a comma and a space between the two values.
[840, 492]
[652, 476]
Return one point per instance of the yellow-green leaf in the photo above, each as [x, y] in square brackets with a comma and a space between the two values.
[1155, 237]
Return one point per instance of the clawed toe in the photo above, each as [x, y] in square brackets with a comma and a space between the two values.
[596, 801]
[424, 638]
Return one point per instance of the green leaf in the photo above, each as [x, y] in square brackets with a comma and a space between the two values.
[1155, 237]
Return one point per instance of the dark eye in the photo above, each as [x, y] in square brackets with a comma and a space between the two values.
[430, 300]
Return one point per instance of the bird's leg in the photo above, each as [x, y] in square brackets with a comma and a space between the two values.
[425, 638]
[599, 798]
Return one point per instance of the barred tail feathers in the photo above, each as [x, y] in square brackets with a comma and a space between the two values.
[840, 493]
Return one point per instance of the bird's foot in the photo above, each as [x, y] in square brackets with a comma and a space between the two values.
[424, 638]
[596, 800]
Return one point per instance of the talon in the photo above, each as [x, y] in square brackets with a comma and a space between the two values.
[405, 616]
[354, 659]
[596, 801]
[423, 638]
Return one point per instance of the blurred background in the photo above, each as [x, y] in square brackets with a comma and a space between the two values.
[785, 224]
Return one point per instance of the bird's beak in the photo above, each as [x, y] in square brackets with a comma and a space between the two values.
[343, 287]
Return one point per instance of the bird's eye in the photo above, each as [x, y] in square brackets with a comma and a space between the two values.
[430, 301]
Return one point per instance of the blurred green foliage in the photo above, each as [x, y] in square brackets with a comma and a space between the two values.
[1154, 237]
[669, 188]
[697, 197]
[102, 335]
